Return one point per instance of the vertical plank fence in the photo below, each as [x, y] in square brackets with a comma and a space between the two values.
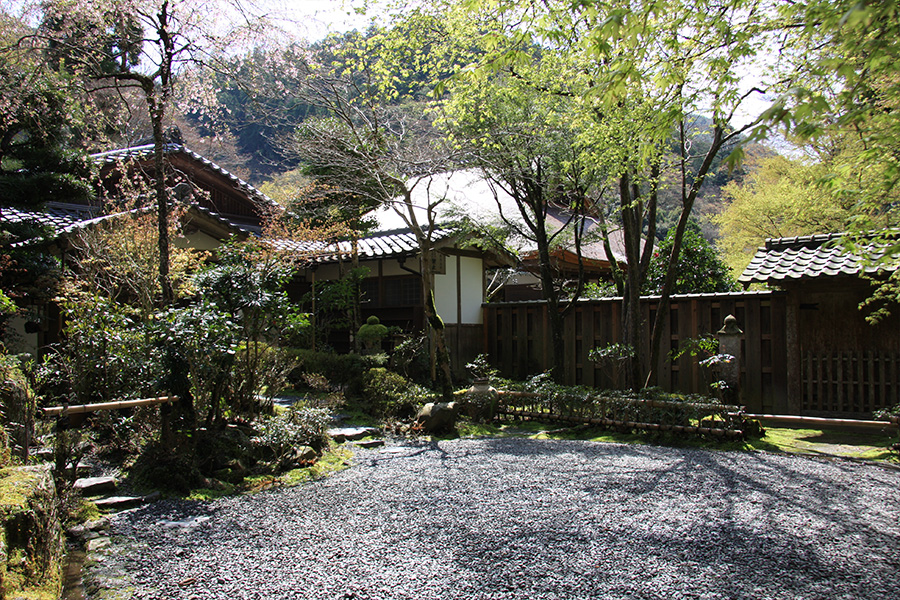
[517, 338]
[850, 383]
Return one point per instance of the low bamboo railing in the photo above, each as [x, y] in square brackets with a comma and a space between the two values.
[61, 411]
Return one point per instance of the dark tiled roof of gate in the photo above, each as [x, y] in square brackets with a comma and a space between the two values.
[814, 256]
[383, 244]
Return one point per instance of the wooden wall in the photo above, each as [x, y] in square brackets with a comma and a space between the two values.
[517, 339]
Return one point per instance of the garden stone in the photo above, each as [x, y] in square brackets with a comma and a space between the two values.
[95, 486]
[437, 416]
[97, 543]
[344, 434]
[370, 444]
[302, 456]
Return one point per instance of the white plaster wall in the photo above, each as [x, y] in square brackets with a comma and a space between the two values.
[471, 290]
[472, 277]
[18, 341]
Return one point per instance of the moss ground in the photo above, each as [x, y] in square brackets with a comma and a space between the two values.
[820, 442]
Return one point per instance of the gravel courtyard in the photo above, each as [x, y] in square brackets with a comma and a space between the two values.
[521, 518]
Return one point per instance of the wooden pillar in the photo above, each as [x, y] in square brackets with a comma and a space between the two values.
[794, 400]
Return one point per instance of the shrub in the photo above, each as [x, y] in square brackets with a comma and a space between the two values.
[283, 433]
[17, 403]
[390, 395]
[260, 374]
[344, 370]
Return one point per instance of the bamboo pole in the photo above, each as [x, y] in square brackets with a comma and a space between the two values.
[731, 433]
[652, 403]
[56, 411]
[823, 421]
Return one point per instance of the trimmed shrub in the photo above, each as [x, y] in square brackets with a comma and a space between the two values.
[282, 434]
[390, 395]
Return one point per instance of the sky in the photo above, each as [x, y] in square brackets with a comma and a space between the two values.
[314, 19]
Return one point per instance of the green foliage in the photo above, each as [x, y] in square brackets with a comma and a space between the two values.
[481, 368]
[410, 358]
[37, 120]
[884, 299]
[699, 268]
[389, 395]
[371, 334]
[17, 401]
[335, 301]
[107, 355]
[343, 370]
[842, 82]
[283, 433]
[781, 197]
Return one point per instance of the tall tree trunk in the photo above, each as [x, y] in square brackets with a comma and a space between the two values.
[435, 323]
[632, 325]
[662, 311]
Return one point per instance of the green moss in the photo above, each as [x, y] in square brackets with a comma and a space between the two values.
[15, 485]
[85, 511]
[827, 442]
[335, 459]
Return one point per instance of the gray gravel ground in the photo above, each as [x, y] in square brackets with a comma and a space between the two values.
[520, 518]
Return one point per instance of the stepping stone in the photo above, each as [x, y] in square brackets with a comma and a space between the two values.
[344, 434]
[369, 444]
[44, 454]
[95, 486]
[123, 502]
[97, 543]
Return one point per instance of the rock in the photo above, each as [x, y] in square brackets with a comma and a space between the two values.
[344, 434]
[369, 444]
[304, 454]
[120, 502]
[435, 417]
[95, 486]
[44, 454]
[97, 543]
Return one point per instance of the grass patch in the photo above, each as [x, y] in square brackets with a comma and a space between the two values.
[83, 512]
[828, 442]
[814, 442]
[336, 458]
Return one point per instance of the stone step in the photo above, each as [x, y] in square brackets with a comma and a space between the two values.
[95, 486]
[123, 502]
[344, 434]
[369, 444]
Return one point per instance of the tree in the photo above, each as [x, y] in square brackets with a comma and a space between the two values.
[638, 71]
[377, 145]
[144, 45]
[780, 197]
[39, 120]
[841, 82]
[699, 270]
[522, 142]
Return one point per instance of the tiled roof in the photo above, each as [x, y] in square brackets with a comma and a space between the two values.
[383, 244]
[810, 257]
[67, 218]
[146, 151]
[56, 215]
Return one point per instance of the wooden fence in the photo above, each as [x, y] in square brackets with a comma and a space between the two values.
[849, 383]
[517, 338]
